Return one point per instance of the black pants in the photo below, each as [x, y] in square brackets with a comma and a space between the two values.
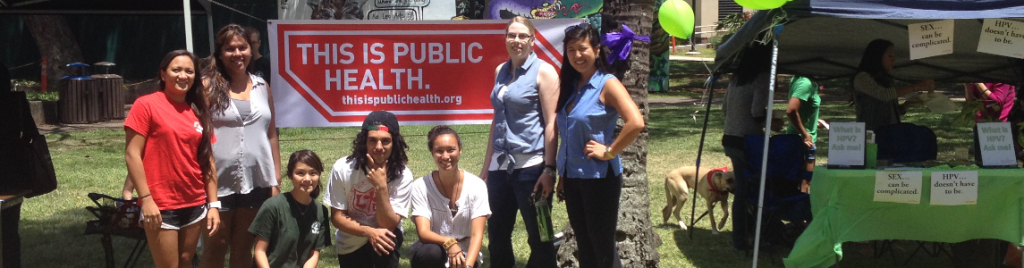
[509, 193]
[11, 239]
[365, 257]
[733, 146]
[593, 208]
[427, 256]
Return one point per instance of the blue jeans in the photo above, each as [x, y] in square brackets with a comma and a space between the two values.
[508, 193]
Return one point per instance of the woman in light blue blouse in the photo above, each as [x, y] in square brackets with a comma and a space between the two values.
[591, 101]
[521, 147]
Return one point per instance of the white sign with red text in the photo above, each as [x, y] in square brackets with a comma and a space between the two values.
[334, 73]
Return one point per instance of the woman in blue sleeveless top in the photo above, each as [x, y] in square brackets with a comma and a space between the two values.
[590, 103]
[522, 146]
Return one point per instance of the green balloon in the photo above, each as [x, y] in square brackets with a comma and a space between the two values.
[676, 18]
[761, 4]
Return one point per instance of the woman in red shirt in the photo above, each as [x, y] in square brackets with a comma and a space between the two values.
[168, 137]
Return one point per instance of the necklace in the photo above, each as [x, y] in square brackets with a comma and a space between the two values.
[302, 209]
[452, 205]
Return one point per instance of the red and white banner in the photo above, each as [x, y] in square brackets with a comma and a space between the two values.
[334, 73]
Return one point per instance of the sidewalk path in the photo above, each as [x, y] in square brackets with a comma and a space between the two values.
[690, 58]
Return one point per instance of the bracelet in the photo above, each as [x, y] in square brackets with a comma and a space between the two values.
[551, 167]
[144, 196]
[449, 243]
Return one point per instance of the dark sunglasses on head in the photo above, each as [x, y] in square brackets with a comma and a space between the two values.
[581, 25]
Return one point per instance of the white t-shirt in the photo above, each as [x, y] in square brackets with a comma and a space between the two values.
[428, 202]
[349, 190]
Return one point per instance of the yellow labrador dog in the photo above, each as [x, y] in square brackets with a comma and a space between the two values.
[714, 189]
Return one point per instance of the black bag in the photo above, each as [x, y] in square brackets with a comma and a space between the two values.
[26, 160]
[44, 178]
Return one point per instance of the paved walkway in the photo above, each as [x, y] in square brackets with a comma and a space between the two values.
[690, 58]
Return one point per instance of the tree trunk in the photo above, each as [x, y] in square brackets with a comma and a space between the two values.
[56, 43]
[637, 242]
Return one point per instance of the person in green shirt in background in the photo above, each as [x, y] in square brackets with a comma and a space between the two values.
[292, 227]
[802, 111]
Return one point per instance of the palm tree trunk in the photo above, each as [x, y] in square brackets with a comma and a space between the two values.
[638, 244]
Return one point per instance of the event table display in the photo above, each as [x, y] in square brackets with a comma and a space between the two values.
[846, 208]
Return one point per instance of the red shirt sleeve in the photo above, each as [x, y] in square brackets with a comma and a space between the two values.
[139, 116]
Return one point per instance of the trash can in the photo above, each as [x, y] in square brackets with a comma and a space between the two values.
[79, 96]
[111, 91]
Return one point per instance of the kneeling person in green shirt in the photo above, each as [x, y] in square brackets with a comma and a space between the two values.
[291, 228]
[802, 111]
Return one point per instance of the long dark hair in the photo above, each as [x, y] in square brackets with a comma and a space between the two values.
[756, 60]
[218, 79]
[397, 160]
[310, 159]
[195, 98]
[569, 75]
[871, 62]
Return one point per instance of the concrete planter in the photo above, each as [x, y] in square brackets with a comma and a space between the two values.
[44, 112]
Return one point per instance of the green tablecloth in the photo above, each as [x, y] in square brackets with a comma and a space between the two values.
[841, 201]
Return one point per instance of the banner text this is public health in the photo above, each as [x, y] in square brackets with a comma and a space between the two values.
[377, 54]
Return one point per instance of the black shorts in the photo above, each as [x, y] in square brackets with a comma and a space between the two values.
[176, 219]
[253, 199]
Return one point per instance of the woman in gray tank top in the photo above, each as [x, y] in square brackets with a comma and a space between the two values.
[246, 152]
[521, 147]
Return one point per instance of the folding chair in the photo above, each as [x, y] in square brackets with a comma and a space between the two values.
[785, 170]
[116, 217]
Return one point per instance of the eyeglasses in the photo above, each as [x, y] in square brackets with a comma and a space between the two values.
[574, 27]
[514, 36]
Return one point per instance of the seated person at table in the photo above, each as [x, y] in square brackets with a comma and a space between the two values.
[875, 94]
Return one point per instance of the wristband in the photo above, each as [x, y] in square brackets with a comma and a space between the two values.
[550, 172]
[213, 204]
[144, 196]
[449, 243]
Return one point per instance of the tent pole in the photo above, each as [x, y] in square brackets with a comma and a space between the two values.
[209, 29]
[186, 6]
[209, 22]
[700, 150]
[764, 152]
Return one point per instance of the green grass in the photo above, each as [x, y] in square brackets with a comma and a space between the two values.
[52, 225]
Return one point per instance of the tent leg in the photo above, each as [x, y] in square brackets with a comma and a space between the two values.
[764, 152]
[700, 150]
[209, 29]
[187, 9]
